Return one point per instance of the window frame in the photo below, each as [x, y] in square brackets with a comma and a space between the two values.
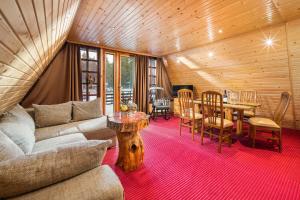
[152, 77]
[134, 75]
[87, 60]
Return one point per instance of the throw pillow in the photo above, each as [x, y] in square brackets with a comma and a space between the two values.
[86, 110]
[23, 115]
[50, 115]
[18, 130]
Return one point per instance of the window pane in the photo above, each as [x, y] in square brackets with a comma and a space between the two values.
[84, 77]
[109, 84]
[92, 98]
[93, 66]
[83, 65]
[152, 71]
[92, 78]
[93, 89]
[93, 54]
[83, 54]
[84, 89]
[127, 78]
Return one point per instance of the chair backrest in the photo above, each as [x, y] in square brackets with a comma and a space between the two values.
[212, 104]
[186, 102]
[282, 107]
[233, 97]
[248, 96]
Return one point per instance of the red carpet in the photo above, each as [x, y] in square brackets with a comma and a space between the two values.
[175, 167]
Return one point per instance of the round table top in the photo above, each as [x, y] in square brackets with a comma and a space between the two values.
[127, 121]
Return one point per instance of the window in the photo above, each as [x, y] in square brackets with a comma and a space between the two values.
[127, 78]
[152, 77]
[152, 72]
[109, 84]
[90, 78]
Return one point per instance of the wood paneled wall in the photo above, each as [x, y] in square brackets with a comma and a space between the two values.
[31, 32]
[293, 38]
[245, 63]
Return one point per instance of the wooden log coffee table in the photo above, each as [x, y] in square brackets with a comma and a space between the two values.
[131, 148]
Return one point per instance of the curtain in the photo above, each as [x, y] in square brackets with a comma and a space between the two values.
[60, 82]
[141, 83]
[162, 78]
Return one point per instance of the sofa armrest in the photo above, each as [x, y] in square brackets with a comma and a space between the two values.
[100, 183]
[27, 173]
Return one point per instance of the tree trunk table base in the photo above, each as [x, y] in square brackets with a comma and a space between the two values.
[131, 147]
[131, 150]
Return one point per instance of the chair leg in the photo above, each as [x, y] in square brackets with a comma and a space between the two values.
[180, 126]
[220, 141]
[250, 133]
[202, 133]
[230, 138]
[193, 130]
[199, 126]
[253, 135]
[280, 140]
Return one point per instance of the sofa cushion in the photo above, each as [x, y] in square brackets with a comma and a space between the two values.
[18, 129]
[49, 115]
[23, 116]
[51, 143]
[102, 134]
[31, 172]
[83, 110]
[105, 185]
[97, 126]
[8, 149]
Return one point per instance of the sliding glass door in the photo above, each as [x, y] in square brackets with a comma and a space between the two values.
[109, 83]
[127, 77]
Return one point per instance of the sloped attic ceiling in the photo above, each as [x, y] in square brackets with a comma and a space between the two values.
[161, 27]
[31, 33]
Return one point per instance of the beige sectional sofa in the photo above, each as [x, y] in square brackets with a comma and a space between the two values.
[56, 162]
[92, 129]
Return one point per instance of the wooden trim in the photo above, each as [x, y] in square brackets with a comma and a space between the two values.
[290, 76]
[111, 48]
[103, 79]
[117, 82]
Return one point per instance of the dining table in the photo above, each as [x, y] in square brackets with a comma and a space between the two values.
[230, 108]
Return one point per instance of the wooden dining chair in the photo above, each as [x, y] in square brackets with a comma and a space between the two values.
[212, 104]
[188, 116]
[248, 97]
[273, 124]
[233, 97]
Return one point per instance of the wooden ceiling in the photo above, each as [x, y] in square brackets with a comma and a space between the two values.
[31, 33]
[161, 27]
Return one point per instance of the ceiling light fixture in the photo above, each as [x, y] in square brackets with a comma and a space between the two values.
[220, 31]
[269, 42]
[210, 54]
